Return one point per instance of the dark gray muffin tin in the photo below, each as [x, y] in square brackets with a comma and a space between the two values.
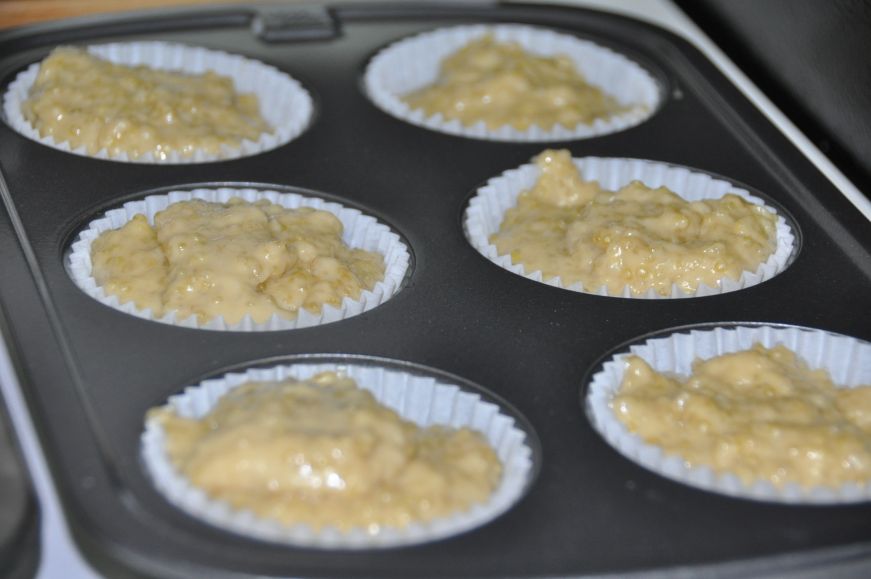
[89, 373]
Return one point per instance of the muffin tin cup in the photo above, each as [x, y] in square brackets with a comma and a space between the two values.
[487, 208]
[846, 359]
[360, 232]
[284, 103]
[413, 63]
[422, 399]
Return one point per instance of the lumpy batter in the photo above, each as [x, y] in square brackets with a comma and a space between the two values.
[760, 414]
[86, 101]
[501, 84]
[231, 260]
[325, 453]
[637, 237]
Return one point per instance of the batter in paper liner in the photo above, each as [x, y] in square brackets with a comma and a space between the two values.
[758, 414]
[231, 260]
[93, 103]
[638, 237]
[325, 453]
[501, 84]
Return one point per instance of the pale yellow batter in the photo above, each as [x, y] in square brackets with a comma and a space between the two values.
[231, 260]
[760, 414]
[86, 101]
[501, 84]
[637, 237]
[325, 453]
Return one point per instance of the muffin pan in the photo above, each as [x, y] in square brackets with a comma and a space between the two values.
[90, 372]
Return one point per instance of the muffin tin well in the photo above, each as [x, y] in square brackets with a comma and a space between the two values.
[413, 63]
[420, 395]
[284, 103]
[91, 372]
[360, 232]
[487, 208]
[846, 360]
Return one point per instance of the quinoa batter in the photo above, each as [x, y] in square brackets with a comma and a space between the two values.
[232, 260]
[637, 237]
[87, 101]
[501, 84]
[760, 414]
[325, 453]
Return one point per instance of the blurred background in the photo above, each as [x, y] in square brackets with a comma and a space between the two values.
[18, 12]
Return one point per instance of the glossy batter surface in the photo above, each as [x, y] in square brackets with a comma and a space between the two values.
[232, 260]
[325, 453]
[501, 84]
[638, 237]
[759, 414]
[86, 101]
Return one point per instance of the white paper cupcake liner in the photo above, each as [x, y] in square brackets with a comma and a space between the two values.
[422, 400]
[360, 232]
[487, 208]
[413, 63]
[847, 360]
[284, 103]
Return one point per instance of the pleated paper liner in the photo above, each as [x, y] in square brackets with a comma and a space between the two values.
[284, 103]
[413, 63]
[846, 359]
[487, 208]
[425, 399]
[360, 232]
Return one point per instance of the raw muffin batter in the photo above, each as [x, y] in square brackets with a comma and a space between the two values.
[760, 414]
[213, 259]
[325, 453]
[501, 84]
[90, 102]
[637, 237]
